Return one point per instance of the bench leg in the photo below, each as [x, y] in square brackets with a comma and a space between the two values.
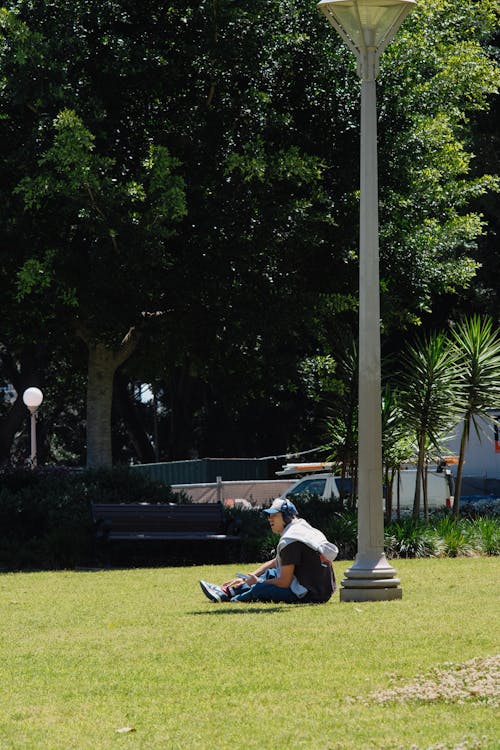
[102, 554]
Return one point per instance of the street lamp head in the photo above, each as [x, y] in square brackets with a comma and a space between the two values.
[32, 397]
[366, 25]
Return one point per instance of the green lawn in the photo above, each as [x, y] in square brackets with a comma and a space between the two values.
[85, 654]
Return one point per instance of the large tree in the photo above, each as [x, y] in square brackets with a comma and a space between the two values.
[92, 190]
[279, 148]
[259, 104]
[107, 255]
[436, 76]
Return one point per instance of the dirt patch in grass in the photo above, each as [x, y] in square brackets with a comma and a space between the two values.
[474, 680]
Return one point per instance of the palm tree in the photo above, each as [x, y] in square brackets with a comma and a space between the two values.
[477, 347]
[429, 394]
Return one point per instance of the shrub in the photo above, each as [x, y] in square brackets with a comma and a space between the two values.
[486, 535]
[338, 525]
[44, 513]
[410, 538]
[45, 521]
[315, 510]
[253, 527]
[342, 530]
[258, 542]
[456, 536]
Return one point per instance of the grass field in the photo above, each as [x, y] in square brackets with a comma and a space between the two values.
[140, 659]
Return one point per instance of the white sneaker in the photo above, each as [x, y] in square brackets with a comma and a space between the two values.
[213, 592]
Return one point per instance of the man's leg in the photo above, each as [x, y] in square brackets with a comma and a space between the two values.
[244, 587]
[265, 592]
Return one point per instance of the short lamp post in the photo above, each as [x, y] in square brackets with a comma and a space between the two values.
[367, 27]
[33, 397]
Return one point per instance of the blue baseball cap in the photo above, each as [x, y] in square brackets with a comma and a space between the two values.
[282, 506]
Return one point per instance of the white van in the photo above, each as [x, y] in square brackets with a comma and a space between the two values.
[440, 490]
[326, 486]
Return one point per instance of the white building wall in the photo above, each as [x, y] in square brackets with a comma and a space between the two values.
[482, 455]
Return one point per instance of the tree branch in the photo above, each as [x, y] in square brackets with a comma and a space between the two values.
[103, 217]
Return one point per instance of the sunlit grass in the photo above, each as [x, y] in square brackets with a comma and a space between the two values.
[85, 654]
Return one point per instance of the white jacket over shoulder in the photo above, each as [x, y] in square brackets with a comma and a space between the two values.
[301, 531]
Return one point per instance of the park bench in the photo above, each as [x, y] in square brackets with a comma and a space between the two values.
[192, 523]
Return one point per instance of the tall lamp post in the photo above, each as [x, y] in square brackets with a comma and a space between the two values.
[367, 27]
[33, 397]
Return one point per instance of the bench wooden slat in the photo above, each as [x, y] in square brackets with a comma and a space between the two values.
[168, 535]
[145, 522]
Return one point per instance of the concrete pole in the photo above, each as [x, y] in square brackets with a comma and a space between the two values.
[371, 577]
[33, 457]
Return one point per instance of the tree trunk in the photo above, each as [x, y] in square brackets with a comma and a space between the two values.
[101, 371]
[102, 364]
[418, 478]
[354, 483]
[389, 485]
[398, 502]
[460, 467]
[426, 496]
[342, 492]
[9, 425]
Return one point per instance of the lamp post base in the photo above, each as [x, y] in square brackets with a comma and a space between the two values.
[370, 579]
[370, 594]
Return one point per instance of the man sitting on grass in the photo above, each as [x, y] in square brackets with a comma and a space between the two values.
[301, 572]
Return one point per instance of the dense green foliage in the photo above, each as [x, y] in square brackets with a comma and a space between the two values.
[45, 523]
[441, 536]
[45, 517]
[179, 188]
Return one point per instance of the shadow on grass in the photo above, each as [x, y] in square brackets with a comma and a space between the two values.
[245, 609]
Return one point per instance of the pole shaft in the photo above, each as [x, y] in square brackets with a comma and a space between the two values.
[371, 532]
[33, 440]
[371, 577]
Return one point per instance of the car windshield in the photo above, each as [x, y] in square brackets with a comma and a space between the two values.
[312, 486]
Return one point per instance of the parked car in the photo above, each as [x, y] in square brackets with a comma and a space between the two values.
[327, 486]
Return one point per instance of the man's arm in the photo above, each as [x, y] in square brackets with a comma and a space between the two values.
[285, 577]
[254, 576]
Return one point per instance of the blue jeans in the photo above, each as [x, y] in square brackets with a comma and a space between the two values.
[265, 592]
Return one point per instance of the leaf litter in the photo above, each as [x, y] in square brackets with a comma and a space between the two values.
[474, 680]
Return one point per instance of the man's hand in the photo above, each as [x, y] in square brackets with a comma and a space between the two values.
[250, 580]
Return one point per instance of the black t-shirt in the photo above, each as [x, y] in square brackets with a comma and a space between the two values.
[311, 572]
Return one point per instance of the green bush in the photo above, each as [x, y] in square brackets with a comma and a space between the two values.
[342, 530]
[443, 535]
[45, 514]
[410, 538]
[487, 535]
[456, 536]
[315, 510]
[257, 542]
[45, 522]
[340, 526]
